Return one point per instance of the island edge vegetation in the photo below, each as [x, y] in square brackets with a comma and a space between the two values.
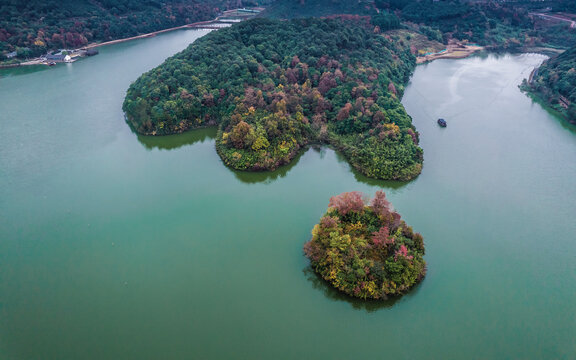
[366, 251]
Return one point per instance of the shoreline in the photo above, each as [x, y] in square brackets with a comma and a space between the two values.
[10, 66]
[228, 17]
[196, 25]
[452, 51]
[469, 50]
[560, 109]
[537, 97]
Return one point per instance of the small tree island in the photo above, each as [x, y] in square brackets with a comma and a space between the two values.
[366, 251]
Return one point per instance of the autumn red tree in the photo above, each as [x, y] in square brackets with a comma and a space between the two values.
[327, 82]
[344, 113]
[382, 237]
[392, 88]
[379, 204]
[346, 202]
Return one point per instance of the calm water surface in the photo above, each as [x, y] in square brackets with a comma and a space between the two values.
[114, 246]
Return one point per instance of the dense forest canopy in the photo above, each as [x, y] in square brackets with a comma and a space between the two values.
[495, 24]
[289, 9]
[556, 83]
[553, 5]
[34, 26]
[500, 25]
[365, 249]
[274, 86]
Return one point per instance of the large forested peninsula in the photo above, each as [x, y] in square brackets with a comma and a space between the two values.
[272, 87]
[555, 82]
[366, 250]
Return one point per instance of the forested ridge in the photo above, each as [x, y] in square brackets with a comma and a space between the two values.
[555, 82]
[272, 87]
[289, 9]
[498, 25]
[505, 26]
[35, 26]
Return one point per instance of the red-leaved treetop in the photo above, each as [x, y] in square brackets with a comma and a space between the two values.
[344, 113]
[291, 76]
[339, 75]
[403, 252]
[346, 202]
[327, 82]
[295, 61]
[329, 222]
[392, 88]
[382, 237]
[379, 204]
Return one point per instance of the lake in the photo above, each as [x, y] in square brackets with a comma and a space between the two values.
[118, 246]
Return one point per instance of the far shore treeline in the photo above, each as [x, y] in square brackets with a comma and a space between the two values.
[31, 28]
[272, 87]
[494, 24]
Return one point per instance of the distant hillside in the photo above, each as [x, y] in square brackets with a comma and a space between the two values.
[34, 26]
[289, 9]
[500, 25]
[553, 5]
[556, 83]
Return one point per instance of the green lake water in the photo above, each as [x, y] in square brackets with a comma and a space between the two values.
[115, 246]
